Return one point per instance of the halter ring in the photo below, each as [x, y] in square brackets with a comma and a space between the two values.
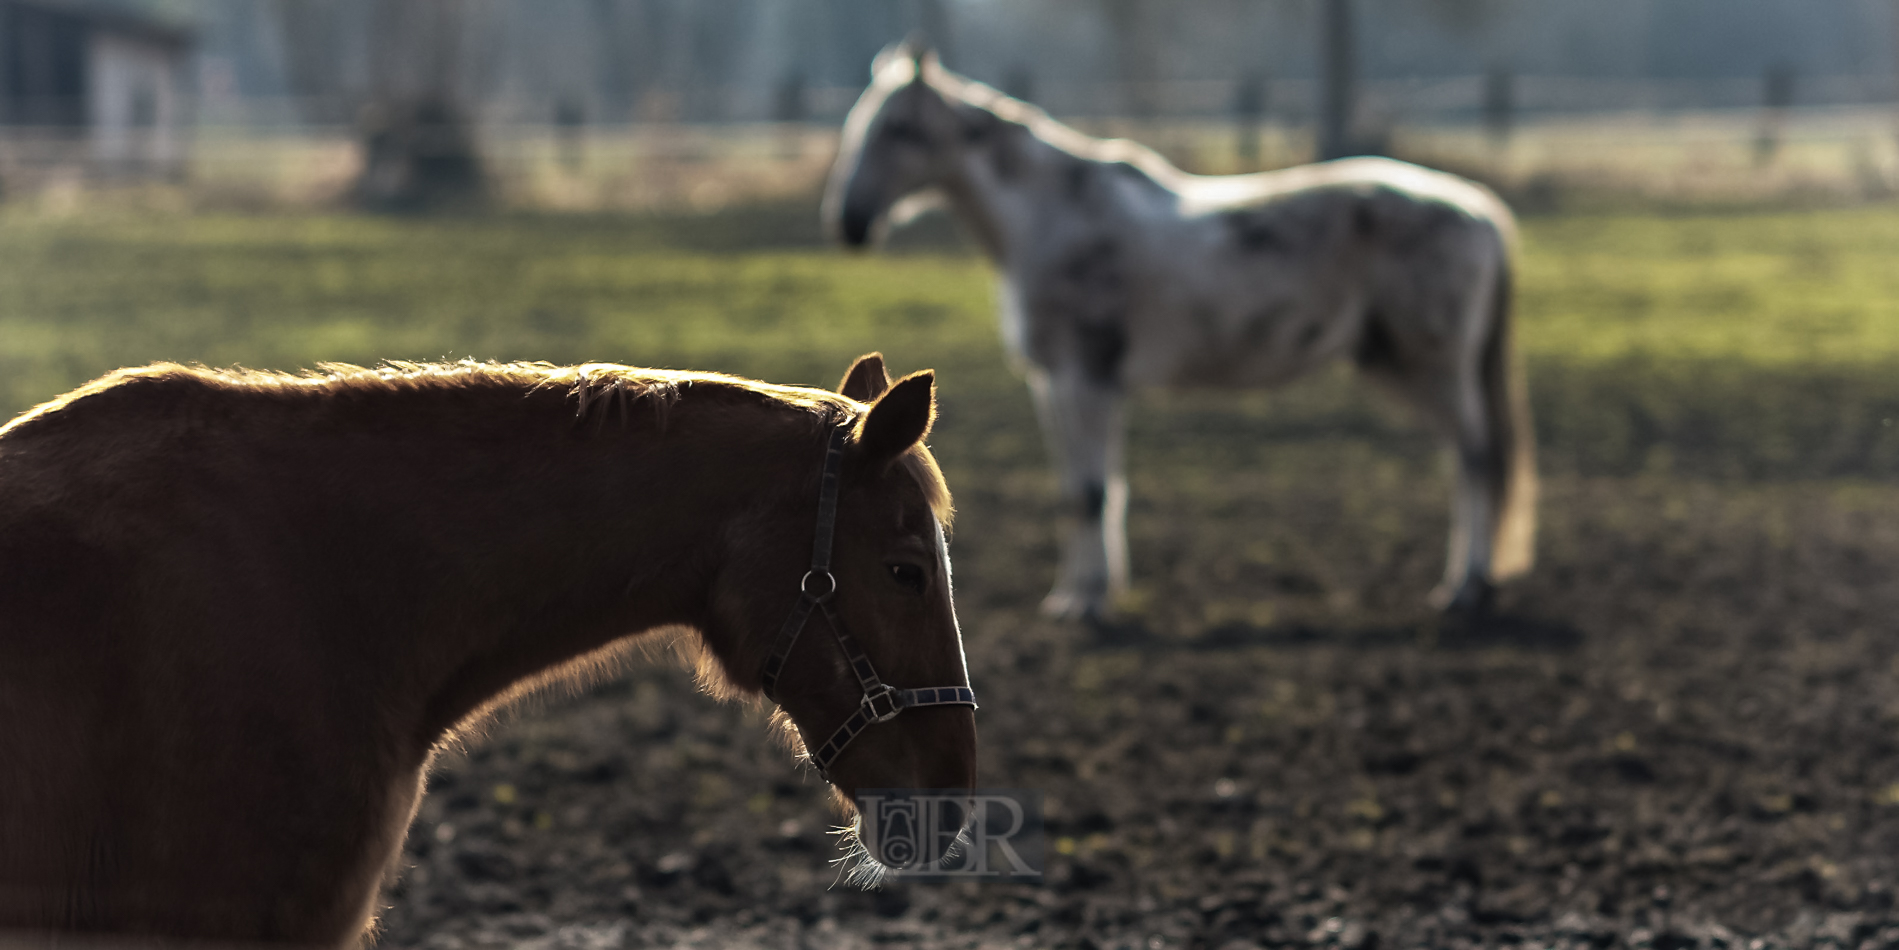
[888, 696]
[804, 585]
[881, 701]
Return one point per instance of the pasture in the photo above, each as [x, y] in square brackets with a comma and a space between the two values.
[1682, 732]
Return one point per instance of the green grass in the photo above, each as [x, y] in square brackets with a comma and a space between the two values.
[79, 297]
[1728, 345]
[1770, 290]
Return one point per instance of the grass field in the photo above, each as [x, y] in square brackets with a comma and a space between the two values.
[1695, 720]
[1730, 344]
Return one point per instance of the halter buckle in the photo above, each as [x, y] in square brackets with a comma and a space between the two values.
[830, 585]
[889, 698]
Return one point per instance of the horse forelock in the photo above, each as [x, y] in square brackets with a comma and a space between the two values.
[892, 78]
[921, 465]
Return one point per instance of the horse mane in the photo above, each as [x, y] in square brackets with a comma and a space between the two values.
[591, 385]
[1473, 198]
[1047, 128]
[598, 390]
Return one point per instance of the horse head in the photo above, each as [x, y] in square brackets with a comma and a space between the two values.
[867, 669]
[900, 141]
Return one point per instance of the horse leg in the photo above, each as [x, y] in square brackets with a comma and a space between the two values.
[1085, 425]
[1448, 392]
[1467, 587]
[1496, 458]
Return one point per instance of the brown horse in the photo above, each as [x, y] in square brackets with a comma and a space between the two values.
[239, 611]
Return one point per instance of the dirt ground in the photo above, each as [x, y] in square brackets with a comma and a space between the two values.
[1679, 731]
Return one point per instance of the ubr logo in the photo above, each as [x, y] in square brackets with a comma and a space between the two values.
[923, 834]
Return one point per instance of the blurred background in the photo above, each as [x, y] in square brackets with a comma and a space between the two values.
[664, 103]
[1682, 735]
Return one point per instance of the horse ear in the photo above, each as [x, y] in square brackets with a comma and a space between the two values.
[900, 418]
[866, 379]
[888, 55]
[917, 47]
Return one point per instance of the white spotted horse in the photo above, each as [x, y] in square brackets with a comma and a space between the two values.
[1119, 271]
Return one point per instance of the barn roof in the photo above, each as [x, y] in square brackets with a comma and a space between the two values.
[117, 18]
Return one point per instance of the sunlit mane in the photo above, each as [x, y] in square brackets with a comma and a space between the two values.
[593, 387]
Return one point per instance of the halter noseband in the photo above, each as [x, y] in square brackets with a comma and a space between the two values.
[882, 702]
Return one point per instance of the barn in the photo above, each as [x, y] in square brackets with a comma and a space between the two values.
[97, 86]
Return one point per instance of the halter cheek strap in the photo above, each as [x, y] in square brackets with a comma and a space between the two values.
[816, 591]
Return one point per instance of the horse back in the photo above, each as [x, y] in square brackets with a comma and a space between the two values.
[1254, 280]
[1399, 188]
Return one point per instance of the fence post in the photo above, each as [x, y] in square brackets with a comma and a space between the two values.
[1777, 93]
[1338, 87]
[570, 129]
[789, 112]
[1249, 106]
[1499, 105]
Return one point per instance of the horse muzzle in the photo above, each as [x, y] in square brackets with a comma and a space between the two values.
[854, 226]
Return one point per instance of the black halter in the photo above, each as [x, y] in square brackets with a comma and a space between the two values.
[882, 702]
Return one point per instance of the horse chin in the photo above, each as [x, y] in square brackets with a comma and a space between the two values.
[857, 866]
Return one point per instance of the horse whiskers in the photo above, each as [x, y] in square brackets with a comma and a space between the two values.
[856, 867]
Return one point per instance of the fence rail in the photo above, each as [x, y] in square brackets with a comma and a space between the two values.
[1415, 100]
[1738, 152]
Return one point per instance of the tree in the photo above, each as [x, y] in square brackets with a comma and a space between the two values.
[409, 105]
[419, 147]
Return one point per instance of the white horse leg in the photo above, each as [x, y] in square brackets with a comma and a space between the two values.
[1450, 397]
[1085, 425]
[1467, 585]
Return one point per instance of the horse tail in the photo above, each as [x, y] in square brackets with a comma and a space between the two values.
[1513, 456]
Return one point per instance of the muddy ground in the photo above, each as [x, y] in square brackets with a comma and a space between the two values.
[1680, 730]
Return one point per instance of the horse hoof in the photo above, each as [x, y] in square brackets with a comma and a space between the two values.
[1471, 600]
[1070, 606]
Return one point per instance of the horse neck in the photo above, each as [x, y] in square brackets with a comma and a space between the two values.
[1005, 210]
[980, 203]
[613, 530]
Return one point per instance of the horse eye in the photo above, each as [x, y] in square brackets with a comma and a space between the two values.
[908, 575]
[904, 131]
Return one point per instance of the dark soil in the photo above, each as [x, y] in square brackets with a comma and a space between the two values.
[1680, 731]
